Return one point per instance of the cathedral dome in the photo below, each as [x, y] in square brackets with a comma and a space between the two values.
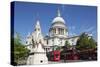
[58, 21]
[58, 18]
[58, 27]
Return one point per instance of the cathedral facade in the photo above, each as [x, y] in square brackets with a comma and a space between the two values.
[57, 36]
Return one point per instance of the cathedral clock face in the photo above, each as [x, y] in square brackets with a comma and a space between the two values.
[70, 28]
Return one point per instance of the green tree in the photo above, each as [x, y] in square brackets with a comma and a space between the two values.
[67, 44]
[85, 42]
[58, 48]
[20, 51]
[92, 43]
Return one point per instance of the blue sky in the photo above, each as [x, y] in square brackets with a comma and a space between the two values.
[78, 18]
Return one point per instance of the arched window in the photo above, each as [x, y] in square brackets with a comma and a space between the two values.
[59, 31]
[47, 41]
[63, 31]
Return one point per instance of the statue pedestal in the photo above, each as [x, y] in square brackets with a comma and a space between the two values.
[39, 56]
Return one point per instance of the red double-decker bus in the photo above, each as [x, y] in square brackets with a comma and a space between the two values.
[72, 55]
[55, 55]
[69, 55]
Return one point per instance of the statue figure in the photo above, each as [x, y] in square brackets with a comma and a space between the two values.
[37, 52]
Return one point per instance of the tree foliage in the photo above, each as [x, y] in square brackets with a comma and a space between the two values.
[20, 51]
[67, 44]
[85, 42]
[58, 48]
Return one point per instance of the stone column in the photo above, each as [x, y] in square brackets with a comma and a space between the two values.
[64, 31]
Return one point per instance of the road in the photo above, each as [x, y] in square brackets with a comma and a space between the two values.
[62, 61]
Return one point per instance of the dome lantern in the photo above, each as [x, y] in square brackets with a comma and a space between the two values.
[58, 13]
[58, 18]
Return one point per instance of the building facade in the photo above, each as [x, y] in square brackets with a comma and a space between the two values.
[57, 36]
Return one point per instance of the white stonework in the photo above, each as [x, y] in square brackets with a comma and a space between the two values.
[36, 47]
[73, 40]
[39, 56]
[58, 34]
[37, 44]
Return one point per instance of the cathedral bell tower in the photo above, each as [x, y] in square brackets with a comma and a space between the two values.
[38, 52]
[37, 36]
[37, 27]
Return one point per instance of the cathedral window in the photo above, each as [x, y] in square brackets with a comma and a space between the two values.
[35, 30]
[63, 31]
[52, 40]
[59, 30]
[47, 41]
[26, 42]
[38, 29]
[55, 30]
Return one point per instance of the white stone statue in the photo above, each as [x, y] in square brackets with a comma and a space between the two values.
[37, 54]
